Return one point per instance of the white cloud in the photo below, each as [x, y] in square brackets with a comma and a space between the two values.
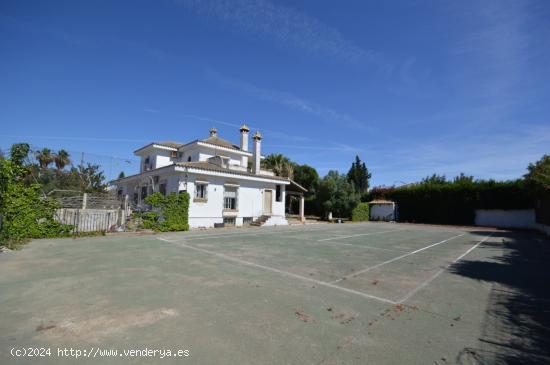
[286, 25]
[288, 100]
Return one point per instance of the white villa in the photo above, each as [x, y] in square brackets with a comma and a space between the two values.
[223, 186]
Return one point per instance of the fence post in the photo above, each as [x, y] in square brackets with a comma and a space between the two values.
[84, 200]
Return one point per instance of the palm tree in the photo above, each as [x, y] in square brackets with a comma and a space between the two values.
[280, 165]
[61, 159]
[44, 157]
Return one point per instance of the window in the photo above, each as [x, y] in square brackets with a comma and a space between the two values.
[247, 220]
[230, 198]
[173, 154]
[189, 159]
[136, 198]
[162, 189]
[229, 221]
[201, 191]
[225, 161]
[143, 192]
[147, 165]
[278, 194]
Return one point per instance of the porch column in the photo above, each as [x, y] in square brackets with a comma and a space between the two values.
[302, 216]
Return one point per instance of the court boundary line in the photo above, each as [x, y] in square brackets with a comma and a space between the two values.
[441, 271]
[394, 259]
[256, 232]
[316, 227]
[356, 235]
[310, 240]
[281, 272]
[261, 232]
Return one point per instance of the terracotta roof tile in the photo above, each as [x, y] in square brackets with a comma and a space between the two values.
[170, 144]
[217, 141]
[204, 165]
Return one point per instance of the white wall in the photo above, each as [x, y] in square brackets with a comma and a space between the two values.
[158, 157]
[249, 200]
[520, 218]
[204, 214]
[161, 159]
[204, 153]
[382, 212]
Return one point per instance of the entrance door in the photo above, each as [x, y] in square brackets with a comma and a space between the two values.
[268, 201]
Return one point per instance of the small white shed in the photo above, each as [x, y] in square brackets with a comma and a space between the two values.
[382, 210]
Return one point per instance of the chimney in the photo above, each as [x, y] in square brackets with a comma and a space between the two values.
[257, 137]
[213, 132]
[244, 144]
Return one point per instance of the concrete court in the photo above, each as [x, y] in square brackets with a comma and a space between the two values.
[368, 293]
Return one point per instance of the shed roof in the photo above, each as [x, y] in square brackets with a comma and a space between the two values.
[381, 201]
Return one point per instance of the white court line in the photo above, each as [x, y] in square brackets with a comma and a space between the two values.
[394, 259]
[433, 277]
[256, 232]
[373, 247]
[356, 235]
[285, 273]
[259, 232]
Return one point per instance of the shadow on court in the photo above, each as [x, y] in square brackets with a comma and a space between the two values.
[516, 329]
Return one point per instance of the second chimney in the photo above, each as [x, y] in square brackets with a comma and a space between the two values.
[257, 137]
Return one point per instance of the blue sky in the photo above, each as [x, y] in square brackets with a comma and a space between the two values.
[412, 87]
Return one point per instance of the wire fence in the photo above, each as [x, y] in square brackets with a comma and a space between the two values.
[110, 165]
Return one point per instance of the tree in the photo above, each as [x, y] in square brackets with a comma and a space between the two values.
[280, 164]
[2, 157]
[91, 178]
[19, 152]
[538, 175]
[61, 159]
[434, 179]
[121, 175]
[44, 157]
[359, 175]
[463, 179]
[337, 195]
[307, 177]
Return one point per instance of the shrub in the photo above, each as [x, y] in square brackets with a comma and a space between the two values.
[173, 215]
[150, 220]
[337, 195]
[360, 213]
[26, 215]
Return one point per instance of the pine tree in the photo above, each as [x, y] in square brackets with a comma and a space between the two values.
[359, 175]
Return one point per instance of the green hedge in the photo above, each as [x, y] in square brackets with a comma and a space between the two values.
[173, 215]
[27, 215]
[360, 213]
[454, 203]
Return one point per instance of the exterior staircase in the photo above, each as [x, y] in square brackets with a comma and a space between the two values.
[260, 221]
